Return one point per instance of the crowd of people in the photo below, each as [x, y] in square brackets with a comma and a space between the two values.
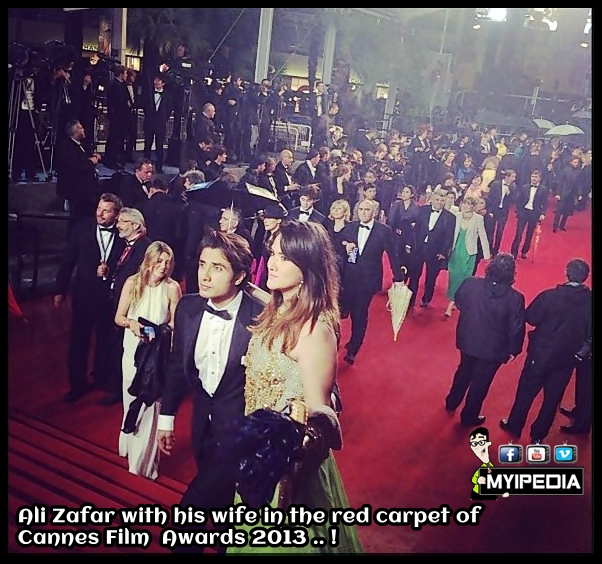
[265, 290]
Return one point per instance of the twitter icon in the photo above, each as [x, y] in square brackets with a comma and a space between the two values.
[565, 453]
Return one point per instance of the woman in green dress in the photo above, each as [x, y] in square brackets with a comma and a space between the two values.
[292, 360]
[470, 229]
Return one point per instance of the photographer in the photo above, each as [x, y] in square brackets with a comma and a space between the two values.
[265, 103]
[119, 113]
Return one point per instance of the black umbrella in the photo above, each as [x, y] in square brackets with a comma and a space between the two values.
[217, 193]
[250, 199]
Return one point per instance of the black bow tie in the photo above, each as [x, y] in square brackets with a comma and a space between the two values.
[303, 212]
[109, 229]
[160, 92]
[219, 312]
[365, 226]
[435, 211]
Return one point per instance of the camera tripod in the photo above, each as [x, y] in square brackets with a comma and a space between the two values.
[18, 95]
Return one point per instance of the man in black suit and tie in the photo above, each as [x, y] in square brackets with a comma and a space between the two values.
[131, 228]
[531, 206]
[77, 181]
[308, 196]
[305, 173]
[157, 109]
[210, 341]
[134, 188]
[286, 186]
[93, 250]
[499, 200]
[365, 241]
[434, 230]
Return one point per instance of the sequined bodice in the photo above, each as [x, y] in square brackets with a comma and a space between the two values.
[272, 377]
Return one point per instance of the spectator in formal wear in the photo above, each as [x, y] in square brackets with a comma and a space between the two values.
[131, 228]
[286, 186]
[531, 206]
[365, 242]
[135, 188]
[119, 114]
[232, 221]
[402, 220]
[216, 168]
[308, 196]
[93, 251]
[561, 318]
[77, 180]
[499, 200]
[469, 232]
[434, 232]
[490, 332]
[164, 217]
[570, 189]
[158, 107]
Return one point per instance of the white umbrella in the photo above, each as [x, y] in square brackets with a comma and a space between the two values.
[398, 304]
[583, 114]
[567, 129]
[543, 123]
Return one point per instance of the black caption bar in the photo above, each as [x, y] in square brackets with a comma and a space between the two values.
[532, 481]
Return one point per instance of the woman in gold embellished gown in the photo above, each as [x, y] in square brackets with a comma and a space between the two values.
[292, 355]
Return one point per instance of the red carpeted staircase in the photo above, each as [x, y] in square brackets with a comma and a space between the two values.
[54, 468]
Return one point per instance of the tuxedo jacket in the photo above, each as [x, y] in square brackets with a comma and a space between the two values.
[315, 216]
[441, 238]
[83, 254]
[76, 175]
[228, 401]
[366, 275]
[156, 117]
[303, 175]
[494, 197]
[131, 192]
[540, 201]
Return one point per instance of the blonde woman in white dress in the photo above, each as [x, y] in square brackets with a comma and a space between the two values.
[153, 295]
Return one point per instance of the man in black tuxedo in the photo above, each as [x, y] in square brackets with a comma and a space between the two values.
[211, 336]
[531, 206]
[499, 200]
[434, 239]
[158, 106]
[365, 241]
[131, 228]
[490, 332]
[120, 115]
[93, 250]
[286, 186]
[134, 188]
[308, 196]
[77, 181]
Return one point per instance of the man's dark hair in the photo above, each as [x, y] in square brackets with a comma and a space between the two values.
[479, 431]
[577, 270]
[501, 269]
[112, 199]
[236, 249]
[159, 184]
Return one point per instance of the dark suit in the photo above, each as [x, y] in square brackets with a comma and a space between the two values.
[491, 328]
[314, 216]
[499, 209]
[429, 244]
[77, 180]
[121, 273]
[91, 303]
[156, 115]
[209, 489]
[528, 218]
[120, 116]
[284, 178]
[561, 318]
[132, 192]
[364, 279]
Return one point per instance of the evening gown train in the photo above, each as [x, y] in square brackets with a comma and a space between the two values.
[272, 379]
[141, 447]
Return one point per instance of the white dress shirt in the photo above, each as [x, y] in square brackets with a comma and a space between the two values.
[211, 351]
[529, 204]
[105, 241]
[305, 215]
[363, 234]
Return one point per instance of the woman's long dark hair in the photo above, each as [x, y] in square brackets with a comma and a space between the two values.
[308, 246]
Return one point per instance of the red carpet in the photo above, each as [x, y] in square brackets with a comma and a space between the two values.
[402, 449]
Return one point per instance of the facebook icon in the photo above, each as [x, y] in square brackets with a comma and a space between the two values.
[510, 454]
